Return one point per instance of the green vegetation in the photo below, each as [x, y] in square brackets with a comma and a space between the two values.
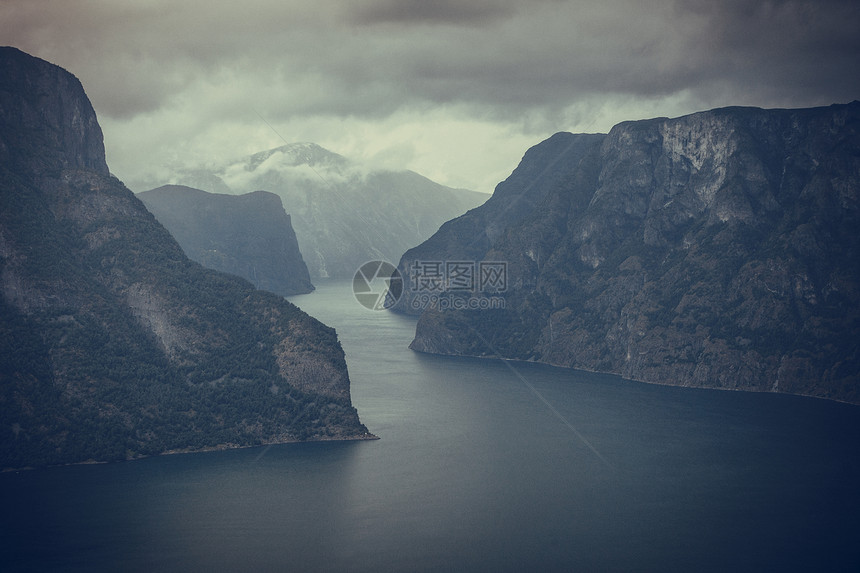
[114, 345]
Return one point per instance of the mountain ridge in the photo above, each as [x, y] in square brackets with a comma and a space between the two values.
[344, 214]
[114, 344]
[247, 235]
[300, 153]
[718, 250]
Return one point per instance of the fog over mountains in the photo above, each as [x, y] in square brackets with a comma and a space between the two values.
[718, 249]
[343, 213]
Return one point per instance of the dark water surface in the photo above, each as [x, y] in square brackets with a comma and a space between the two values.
[481, 466]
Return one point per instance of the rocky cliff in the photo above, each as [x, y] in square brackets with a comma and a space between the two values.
[548, 167]
[113, 344]
[246, 235]
[719, 250]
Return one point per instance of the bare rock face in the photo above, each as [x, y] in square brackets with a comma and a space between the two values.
[47, 121]
[113, 344]
[246, 235]
[558, 162]
[717, 250]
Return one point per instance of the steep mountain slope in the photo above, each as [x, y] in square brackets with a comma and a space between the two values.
[246, 235]
[553, 164]
[115, 344]
[718, 249]
[344, 215]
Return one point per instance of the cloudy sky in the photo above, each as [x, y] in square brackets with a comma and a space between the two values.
[454, 89]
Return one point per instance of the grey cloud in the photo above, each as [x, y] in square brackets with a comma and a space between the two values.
[501, 58]
[765, 53]
[454, 12]
[789, 50]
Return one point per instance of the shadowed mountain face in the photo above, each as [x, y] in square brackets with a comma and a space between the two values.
[344, 215]
[718, 250]
[246, 235]
[545, 168]
[113, 344]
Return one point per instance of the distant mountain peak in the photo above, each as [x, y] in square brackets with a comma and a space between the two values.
[247, 235]
[295, 154]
